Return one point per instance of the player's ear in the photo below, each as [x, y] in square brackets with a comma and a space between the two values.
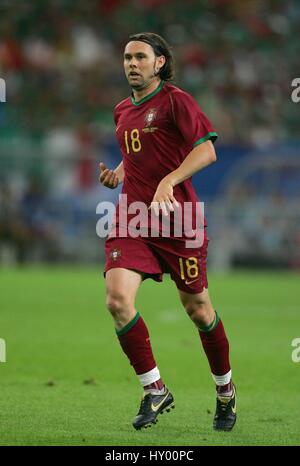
[160, 62]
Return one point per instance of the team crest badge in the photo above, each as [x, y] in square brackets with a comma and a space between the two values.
[149, 119]
[115, 254]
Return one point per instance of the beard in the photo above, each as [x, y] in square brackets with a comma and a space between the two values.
[143, 84]
[138, 87]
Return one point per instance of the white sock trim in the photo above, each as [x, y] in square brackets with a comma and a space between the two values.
[222, 379]
[149, 377]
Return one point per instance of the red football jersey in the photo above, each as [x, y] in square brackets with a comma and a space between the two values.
[155, 135]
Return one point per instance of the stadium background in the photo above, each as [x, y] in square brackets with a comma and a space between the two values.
[62, 64]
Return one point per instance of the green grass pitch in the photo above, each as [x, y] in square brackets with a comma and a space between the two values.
[66, 382]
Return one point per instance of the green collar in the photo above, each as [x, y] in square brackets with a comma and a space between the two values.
[149, 96]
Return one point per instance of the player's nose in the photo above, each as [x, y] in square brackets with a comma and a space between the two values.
[133, 62]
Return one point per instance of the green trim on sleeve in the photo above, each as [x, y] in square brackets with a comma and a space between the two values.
[211, 135]
[128, 326]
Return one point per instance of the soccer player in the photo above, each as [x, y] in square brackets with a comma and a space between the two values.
[164, 139]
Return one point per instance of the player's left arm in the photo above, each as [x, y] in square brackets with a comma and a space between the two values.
[200, 157]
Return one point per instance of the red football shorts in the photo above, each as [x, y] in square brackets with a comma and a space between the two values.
[153, 257]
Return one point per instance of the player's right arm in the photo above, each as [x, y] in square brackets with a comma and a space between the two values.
[111, 178]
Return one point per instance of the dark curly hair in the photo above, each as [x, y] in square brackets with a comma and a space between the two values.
[160, 47]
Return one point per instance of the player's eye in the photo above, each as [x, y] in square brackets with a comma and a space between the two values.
[138, 57]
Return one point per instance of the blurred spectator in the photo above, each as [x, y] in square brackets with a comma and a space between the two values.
[25, 227]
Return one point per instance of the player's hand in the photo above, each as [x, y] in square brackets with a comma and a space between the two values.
[108, 177]
[163, 198]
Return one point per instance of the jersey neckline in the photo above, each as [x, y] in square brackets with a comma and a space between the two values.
[149, 96]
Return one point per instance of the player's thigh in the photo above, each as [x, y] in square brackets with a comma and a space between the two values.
[128, 260]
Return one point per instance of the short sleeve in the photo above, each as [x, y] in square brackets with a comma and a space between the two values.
[192, 123]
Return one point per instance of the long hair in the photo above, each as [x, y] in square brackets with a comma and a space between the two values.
[160, 47]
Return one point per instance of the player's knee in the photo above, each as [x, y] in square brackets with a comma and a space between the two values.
[199, 312]
[116, 303]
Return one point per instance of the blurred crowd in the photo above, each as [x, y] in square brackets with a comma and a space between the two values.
[62, 61]
[260, 222]
[63, 67]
